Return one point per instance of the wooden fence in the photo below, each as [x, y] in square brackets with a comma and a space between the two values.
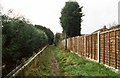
[103, 47]
[25, 69]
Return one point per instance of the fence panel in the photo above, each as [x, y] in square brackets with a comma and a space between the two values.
[112, 49]
[96, 47]
[108, 47]
[93, 46]
[68, 44]
[82, 50]
[118, 48]
[78, 45]
[102, 43]
[87, 47]
[75, 44]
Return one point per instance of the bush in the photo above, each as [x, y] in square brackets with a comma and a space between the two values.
[48, 32]
[20, 40]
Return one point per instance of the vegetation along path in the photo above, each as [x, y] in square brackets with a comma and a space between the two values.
[56, 61]
[54, 65]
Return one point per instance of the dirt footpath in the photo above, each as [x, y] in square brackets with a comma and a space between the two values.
[54, 65]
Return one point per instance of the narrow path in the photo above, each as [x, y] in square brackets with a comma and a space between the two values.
[54, 65]
[57, 62]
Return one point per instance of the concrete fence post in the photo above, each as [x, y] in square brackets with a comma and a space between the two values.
[98, 34]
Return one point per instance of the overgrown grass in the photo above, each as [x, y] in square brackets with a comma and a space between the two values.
[73, 65]
[45, 66]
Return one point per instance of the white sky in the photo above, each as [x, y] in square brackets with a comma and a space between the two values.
[47, 12]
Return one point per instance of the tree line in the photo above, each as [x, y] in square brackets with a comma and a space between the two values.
[20, 39]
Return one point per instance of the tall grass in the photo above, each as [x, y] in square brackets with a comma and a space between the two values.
[45, 66]
[73, 65]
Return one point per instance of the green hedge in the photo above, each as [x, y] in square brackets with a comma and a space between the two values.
[19, 40]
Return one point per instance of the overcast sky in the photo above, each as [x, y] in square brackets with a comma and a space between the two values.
[47, 12]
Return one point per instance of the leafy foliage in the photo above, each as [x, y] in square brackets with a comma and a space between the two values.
[48, 32]
[71, 19]
[20, 39]
[57, 38]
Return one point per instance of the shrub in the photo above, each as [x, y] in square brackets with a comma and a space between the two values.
[20, 40]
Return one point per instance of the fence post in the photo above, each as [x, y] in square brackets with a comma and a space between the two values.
[84, 45]
[109, 50]
[98, 46]
[91, 47]
[78, 44]
[115, 51]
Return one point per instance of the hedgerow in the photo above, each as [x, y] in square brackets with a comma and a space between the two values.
[19, 40]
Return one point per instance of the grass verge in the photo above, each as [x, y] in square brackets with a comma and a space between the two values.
[73, 65]
[45, 65]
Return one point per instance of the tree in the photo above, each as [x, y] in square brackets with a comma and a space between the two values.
[19, 40]
[48, 32]
[71, 19]
[57, 38]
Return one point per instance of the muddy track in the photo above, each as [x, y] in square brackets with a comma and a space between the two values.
[54, 65]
